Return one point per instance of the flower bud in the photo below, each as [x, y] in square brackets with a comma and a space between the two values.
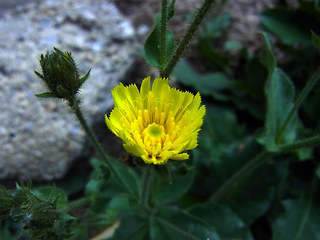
[61, 75]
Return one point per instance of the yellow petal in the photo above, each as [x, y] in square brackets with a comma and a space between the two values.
[181, 156]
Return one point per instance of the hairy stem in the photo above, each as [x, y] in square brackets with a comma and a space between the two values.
[163, 35]
[187, 37]
[106, 159]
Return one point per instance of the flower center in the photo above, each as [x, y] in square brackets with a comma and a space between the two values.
[154, 131]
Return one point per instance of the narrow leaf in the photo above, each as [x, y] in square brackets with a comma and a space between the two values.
[46, 95]
[85, 77]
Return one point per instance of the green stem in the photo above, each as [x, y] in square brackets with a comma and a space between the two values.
[307, 142]
[77, 203]
[187, 37]
[312, 81]
[163, 35]
[245, 170]
[258, 160]
[74, 104]
[145, 189]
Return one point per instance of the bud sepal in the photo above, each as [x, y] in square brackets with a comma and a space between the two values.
[61, 75]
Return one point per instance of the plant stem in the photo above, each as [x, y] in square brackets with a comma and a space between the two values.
[307, 142]
[145, 188]
[245, 170]
[312, 81]
[77, 203]
[76, 108]
[187, 37]
[258, 160]
[163, 35]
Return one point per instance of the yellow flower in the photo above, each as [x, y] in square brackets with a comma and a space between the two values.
[158, 124]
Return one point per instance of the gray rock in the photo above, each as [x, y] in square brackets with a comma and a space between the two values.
[40, 138]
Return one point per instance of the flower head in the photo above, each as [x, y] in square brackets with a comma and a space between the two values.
[60, 73]
[156, 124]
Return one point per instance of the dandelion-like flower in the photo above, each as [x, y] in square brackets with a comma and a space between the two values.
[156, 124]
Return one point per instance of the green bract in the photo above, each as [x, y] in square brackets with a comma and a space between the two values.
[61, 75]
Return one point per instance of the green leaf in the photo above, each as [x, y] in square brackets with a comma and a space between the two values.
[96, 179]
[213, 84]
[178, 225]
[215, 26]
[152, 49]
[152, 44]
[256, 76]
[132, 226]
[129, 177]
[213, 57]
[46, 95]
[100, 178]
[227, 223]
[215, 140]
[316, 41]
[279, 92]
[292, 27]
[301, 220]
[248, 199]
[182, 179]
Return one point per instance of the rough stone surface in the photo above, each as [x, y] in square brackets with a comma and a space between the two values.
[40, 138]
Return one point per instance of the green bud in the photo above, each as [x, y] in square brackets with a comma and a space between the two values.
[61, 75]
